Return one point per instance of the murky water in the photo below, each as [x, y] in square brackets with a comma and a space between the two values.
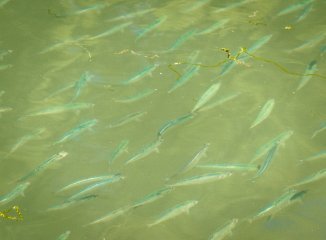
[147, 94]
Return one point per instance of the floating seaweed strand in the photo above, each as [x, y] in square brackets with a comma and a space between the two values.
[6, 214]
[236, 59]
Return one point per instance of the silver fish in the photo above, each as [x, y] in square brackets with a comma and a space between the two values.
[264, 112]
[17, 191]
[206, 178]
[224, 231]
[174, 212]
[207, 95]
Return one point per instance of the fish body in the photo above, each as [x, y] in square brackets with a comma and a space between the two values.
[140, 95]
[280, 139]
[175, 211]
[270, 155]
[151, 27]
[231, 6]
[264, 112]
[279, 204]
[304, 13]
[86, 181]
[114, 178]
[256, 45]
[184, 78]
[17, 191]
[5, 66]
[213, 27]
[321, 154]
[130, 15]
[309, 44]
[138, 76]
[312, 178]
[173, 123]
[110, 216]
[181, 40]
[60, 109]
[320, 129]
[23, 140]
[64, 236]
[152, 197]
[294, 7]
[196, 5]
[5, 109]
[311, 69]
[207, 95]
[201, 179]
[81, 83]
[4, 53]
[126, 119]
[231, 166]
[70, 203]
[76, 131]
[145, 151]
[40, 168]
[111, 31]
[219, 101]
[225, 230]
[122, 147]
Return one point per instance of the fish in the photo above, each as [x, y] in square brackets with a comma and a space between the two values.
[130, 15]
[145, 151]
[94, 7]
[194, 161]
[264, 112]
[279, 139]
[230, 166]
[285, 200]
[184, 78]
[256, 45]
[175, 211]
[140, 95]
[5, 66]
[207, 95]
[13, 194]
[64, 235]
[86, 181]
[311, 69]
[206, 178]
[66, 42]
[308, 44]
[138, 76]
[122, 147]
[44, 165]
[219, 101]
[5, 109]
[76, 131]
[318, 155]
[59, 109]
[196, 5]
[321, 128]
[310, 179]
[155, 24]
[23, 140]
[111, 31]
[304, 13]
[181, 40]
[294, 7]
[216, 26]
[127, 119]
[81, 83]
[231, 6]
[225, 230]
[173, 123]
[152, 197]
[72, 202]
[110, 216]
[115, 178]
[266, 163]
[4, 2]
[4, 53]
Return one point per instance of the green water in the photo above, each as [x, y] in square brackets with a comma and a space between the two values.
[46, 47]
